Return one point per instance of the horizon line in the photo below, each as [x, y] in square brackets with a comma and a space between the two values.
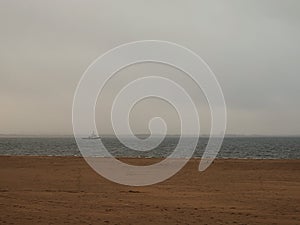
[167, 135]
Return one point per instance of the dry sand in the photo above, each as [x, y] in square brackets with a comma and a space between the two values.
[65, 190]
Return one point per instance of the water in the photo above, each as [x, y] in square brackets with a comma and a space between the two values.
[241, 147]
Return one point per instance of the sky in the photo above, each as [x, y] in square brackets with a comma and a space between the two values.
[251, 46]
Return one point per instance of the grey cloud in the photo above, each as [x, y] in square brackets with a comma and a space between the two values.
[252, 46]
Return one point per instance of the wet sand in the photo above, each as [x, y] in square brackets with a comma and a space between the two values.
[65, 190]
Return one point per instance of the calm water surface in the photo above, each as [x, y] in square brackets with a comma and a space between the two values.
[241, 147]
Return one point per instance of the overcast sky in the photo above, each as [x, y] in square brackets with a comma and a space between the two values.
[252, 47]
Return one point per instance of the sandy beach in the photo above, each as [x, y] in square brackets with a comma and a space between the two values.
[65, 190]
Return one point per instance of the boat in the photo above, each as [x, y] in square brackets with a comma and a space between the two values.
[93, 136]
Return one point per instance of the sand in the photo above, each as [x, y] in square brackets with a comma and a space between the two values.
[65, 190]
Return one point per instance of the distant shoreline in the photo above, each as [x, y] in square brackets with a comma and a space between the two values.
[144, 135]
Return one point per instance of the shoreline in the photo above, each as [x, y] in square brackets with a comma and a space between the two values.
[157, 158]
